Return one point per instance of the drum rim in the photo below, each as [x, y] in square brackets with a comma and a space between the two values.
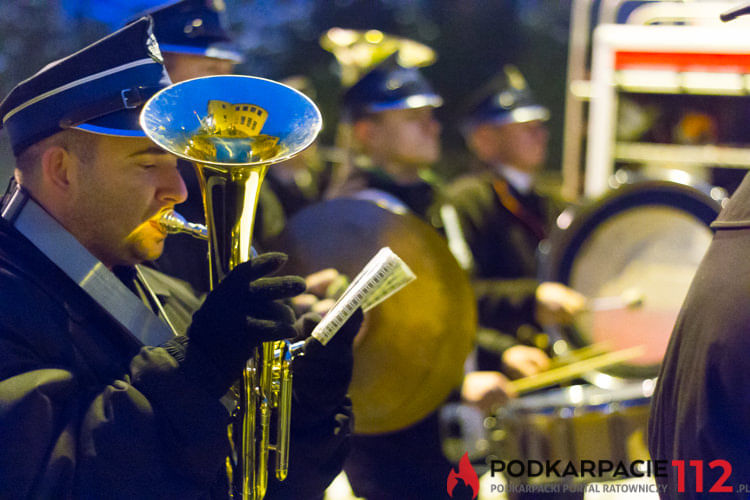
[630, 392]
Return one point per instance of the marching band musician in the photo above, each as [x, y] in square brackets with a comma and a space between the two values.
[98, 398]
[503, 220]
[390, 110]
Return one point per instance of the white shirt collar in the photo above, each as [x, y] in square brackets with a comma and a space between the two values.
[521, 181]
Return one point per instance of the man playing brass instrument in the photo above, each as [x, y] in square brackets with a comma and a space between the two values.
[98, 398]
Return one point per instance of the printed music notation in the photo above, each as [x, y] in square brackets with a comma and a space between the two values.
[384, 275]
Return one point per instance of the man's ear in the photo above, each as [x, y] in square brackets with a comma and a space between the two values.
[363, 130]
[57, 168]
[481, 141]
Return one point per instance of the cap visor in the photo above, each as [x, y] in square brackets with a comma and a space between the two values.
[411, 102]
[121, 123]
[215, 52]
[523, 115]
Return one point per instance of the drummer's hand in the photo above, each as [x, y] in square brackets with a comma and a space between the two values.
[524, 361]
[486, 390]
[323, 288]
[557, 304]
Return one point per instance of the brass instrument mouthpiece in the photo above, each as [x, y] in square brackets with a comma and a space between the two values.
[175, 223]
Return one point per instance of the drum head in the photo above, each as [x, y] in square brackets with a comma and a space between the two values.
[633, 254]
[410, 352]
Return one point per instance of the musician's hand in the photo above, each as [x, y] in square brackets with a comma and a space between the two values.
[323, 373]
[244, 310]
[486, 390]
[323, 288]
[524, 361]
[557, 304]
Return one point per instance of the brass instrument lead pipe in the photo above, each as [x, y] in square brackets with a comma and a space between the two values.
[285, 415]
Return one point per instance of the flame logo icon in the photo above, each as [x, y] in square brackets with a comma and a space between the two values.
[465, 472]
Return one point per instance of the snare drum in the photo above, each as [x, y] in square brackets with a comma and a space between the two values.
[581, 422]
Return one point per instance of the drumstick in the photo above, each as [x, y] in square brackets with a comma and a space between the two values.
[630, 298]
[575, 355]
[573, 370]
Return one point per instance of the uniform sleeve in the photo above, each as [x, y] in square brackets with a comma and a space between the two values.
[494, 341]
[506, 303]
[63, 436]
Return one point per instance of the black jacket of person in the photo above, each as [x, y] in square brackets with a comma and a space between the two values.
[701, 406]
[87, 412]
[503, 230]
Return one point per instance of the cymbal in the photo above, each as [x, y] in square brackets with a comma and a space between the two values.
[410, 352]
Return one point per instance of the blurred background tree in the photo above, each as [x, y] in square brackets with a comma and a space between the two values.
[473, 39]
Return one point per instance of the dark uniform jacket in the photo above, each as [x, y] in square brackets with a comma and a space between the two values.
[87, 412]
[294, 194]
[503, 230]
[371, 182]
[701, 406]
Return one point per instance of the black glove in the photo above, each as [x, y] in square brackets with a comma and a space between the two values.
[244, 310]
[323, 372]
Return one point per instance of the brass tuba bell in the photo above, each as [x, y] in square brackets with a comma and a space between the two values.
[232, 128]
[359, 51]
